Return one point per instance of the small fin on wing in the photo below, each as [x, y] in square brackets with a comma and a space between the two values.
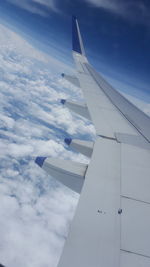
[79, 108]
[84, 147]
[68, 172]
[72, 79]
[77, 44]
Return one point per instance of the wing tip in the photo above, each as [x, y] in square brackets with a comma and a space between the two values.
[76, 38]
[74, 17]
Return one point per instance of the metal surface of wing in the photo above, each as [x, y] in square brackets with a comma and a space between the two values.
[111, 224]
[69, 173]
[71, 79]
[84, 147]
[80, 109]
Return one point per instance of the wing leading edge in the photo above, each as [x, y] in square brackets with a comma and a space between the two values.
[103, 96]
[111, 224]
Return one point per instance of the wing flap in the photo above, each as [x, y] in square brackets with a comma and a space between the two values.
[129, 259]
[135, 223]
[94, 238]
[135, 173]
[135, 203]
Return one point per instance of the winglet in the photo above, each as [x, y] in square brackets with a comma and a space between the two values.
[77, 44]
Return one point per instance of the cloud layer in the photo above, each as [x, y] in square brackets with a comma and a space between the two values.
[35, 210]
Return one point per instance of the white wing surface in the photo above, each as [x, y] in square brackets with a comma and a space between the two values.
[111, 227]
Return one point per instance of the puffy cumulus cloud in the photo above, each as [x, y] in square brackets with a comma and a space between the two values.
[137, 11]
[36, 6]
[16, 48]
[33, 226]
[35, 210]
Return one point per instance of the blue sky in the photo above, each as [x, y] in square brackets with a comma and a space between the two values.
[116, 34]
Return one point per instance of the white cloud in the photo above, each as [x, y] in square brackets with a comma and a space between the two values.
[136, 11]
[6, 121]
[33, 7]
[16, 48]
[107, 4]
[32, 232]
[35, 210]
[47, 3]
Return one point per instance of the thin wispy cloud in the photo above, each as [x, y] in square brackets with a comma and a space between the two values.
[41, 7]
[107, 4]
[136, 11]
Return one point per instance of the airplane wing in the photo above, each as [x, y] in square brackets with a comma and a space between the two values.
[111, 227]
